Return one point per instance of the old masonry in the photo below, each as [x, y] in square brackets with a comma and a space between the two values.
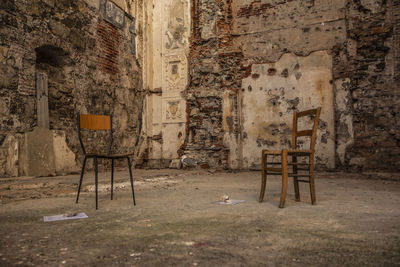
[211, 81]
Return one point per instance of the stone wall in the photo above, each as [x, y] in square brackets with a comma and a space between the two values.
[250, 64]
[369, 59]
[88, 57]
[213, 66]
[237, 48]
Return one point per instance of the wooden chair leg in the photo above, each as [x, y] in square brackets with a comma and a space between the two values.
[284, 178]
[312, 182]
[80, 180]
[263, 177]
[112, 178]
[295, 180]
[96, 180]
[131, 178]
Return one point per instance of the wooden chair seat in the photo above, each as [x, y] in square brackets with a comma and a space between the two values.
[271, 152]
[274, 170]
[290, 151]
[288, 158]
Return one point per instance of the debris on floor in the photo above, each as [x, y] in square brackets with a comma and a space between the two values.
[65, 216]
[225, 200]
[231, 202]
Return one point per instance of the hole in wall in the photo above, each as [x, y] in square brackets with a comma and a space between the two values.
[52, 55]
[52, 61]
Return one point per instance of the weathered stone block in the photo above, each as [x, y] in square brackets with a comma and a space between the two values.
[9, 157]
[8, 77]
[77, 39]
[7, 5]
[38, 153]
[58, 29]
[357, 161]
[175, 164]
[113, 13]
[65, 159]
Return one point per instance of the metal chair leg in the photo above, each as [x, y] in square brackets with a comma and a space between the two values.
[284, 178]
[112, 178]
[80, 180]
[263, 177]
[131, 178]
[96, 180]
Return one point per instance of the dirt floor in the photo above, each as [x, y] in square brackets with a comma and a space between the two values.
[356, 221]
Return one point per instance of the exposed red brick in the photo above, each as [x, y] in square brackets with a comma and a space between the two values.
[108, 37]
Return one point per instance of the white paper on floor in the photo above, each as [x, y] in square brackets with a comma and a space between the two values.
[230, 202]
[61, 217]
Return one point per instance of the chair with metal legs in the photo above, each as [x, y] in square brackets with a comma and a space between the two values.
[101, 123]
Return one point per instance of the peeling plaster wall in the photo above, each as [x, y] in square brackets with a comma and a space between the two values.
[233, 40]
[264, 30]
[270, 95]
[249, 39]
[344, 119]
[269, 34]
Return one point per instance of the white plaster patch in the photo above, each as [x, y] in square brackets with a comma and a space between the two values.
[11, 147]
[63, 156]
[270, 95]
[346, 118]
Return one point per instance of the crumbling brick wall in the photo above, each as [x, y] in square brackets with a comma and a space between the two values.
[361, 36]
[88, 61]
[370, 58]
[214, 69]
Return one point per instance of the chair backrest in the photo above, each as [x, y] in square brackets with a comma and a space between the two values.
[312, 133]
[94, 123]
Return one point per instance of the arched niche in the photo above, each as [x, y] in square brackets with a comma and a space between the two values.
[53, 68]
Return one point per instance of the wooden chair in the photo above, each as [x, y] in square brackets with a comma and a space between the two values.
[99, 123]
[271, 168]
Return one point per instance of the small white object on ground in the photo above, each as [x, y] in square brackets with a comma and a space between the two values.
[225, 198]
[62, 217]
[231, 202]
